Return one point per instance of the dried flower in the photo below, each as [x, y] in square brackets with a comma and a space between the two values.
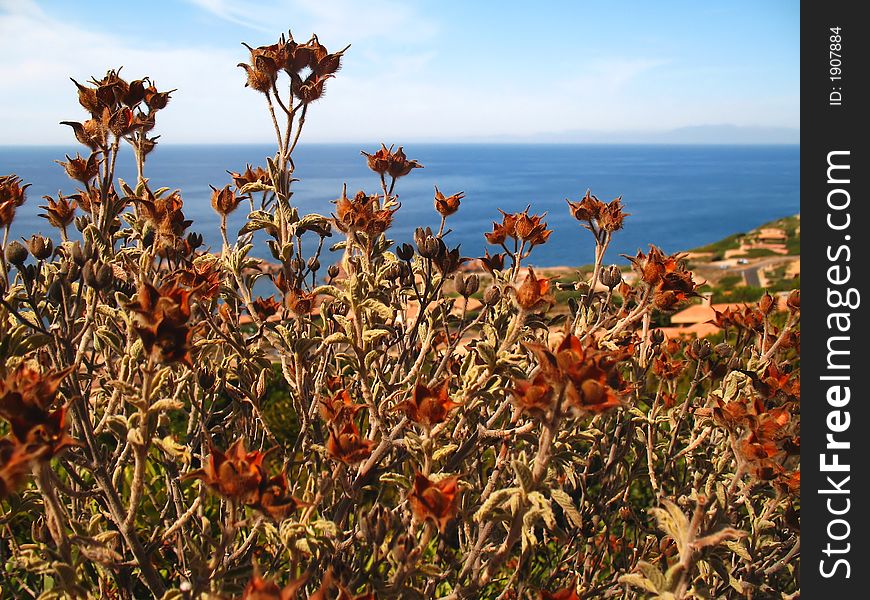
[40, 247]
[534, 293]
[448, 205]
[224, 200]
[339, 408]
[534, 397]
[266, 307]
[346, 445]
[81, 169]
[250, 175]
[386, 162]
[274, 499]
[163, 212]
[436, 501]
[568, 593]
[60, 213]
[235, 474]
[161, 321]
[301, 302]
[11, 197]
[428, 406]
[26, 401]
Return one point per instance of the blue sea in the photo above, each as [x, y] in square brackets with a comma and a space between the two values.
[679, 197]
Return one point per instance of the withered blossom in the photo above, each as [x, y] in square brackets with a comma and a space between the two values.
[447, 205]
[161, 317]
[345, 444]
[203, 276]
[667, 368]
[598, 215]
[250, 175]
[224, 200]
[434, 501]
[588, 375]
[339, 408]
[263, 589]
[81, 169]
[428, 406]
[12, 195]
[672, 283]
[155, 99]
[61, 212]
[448, 261]
[163, 212]
[266, 307]
[362, 214]
[39, 430]
[16, 461]
[236, 474]
[274, 499]
[90, 198]
[92, 133]
[568, 593]
[531, 228]
[300, 302]
[533, 397]
[493, 262]
[386, 162]
[534, 293]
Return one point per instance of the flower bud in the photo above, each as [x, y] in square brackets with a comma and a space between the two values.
[656, 337]
[393, 271]
[491, 296]
[40, 247]
[313, 264]
[55, 291]
[76, 254]
[405, 252]
[611, 277]
[724, 349]
[700, 349]
[466, 285]
[794, 301]
[194, 240]
[16, 253]
[333, 271]
[430, 247]
[206, 379]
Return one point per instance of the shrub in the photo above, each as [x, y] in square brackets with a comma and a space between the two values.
[360, 433]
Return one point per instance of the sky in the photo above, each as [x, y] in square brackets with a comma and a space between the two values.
[417, 70]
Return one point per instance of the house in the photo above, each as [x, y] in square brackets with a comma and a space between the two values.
[771, 235]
